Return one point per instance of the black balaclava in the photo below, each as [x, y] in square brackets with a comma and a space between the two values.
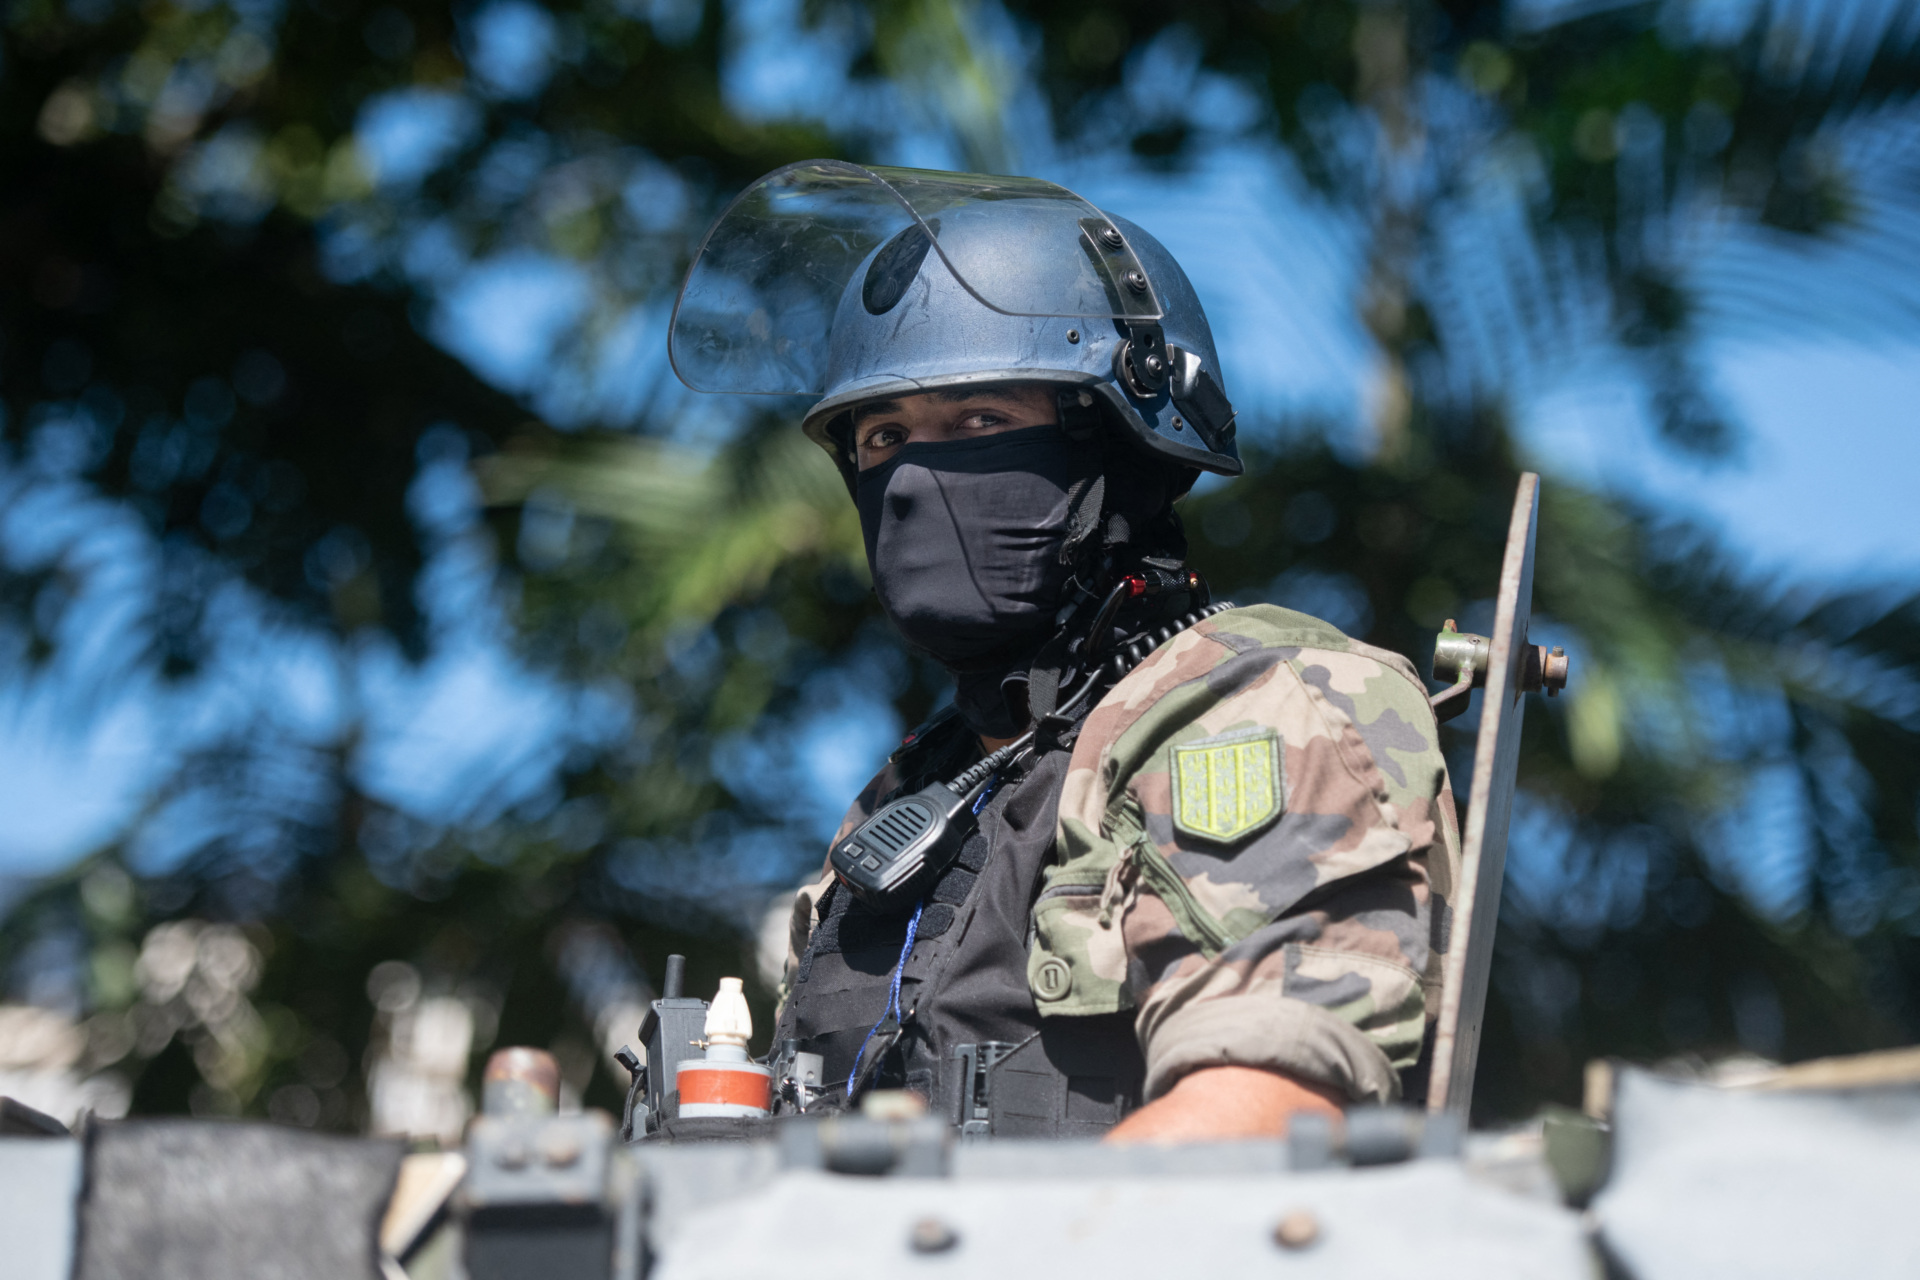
[964, 539]
[969, 543]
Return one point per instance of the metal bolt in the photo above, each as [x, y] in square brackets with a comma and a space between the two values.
[1177, 424]
[1297, 1230]
[1553, 671]
[1136, 282]
[1155, 365]
[1073, 335]
[930, 1235]
[559, 1149]
[1113, 237]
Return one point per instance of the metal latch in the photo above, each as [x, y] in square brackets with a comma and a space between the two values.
[973, 1086]
[1460, 659]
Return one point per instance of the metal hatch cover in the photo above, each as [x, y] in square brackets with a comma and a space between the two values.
[1483, 853]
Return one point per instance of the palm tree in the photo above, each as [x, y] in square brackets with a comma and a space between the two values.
[1519, 196]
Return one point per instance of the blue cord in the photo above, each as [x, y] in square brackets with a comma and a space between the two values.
[906, 950]
[986, 795]
[893, 996]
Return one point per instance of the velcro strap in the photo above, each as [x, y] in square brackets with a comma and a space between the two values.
[1043, 678]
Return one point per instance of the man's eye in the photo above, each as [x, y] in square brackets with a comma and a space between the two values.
[885, 438]
[980, 420]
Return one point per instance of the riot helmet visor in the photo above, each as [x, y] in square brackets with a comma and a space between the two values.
[757, 310]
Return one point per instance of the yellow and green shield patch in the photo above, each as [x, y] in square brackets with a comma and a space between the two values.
[1227, 787]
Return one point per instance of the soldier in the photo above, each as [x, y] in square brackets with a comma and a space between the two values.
[1201, 856]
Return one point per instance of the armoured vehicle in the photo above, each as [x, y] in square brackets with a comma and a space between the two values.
[1807, 1173]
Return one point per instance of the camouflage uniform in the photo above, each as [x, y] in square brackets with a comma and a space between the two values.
[1255, 854]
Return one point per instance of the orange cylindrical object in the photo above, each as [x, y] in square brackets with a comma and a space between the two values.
[736, 1088]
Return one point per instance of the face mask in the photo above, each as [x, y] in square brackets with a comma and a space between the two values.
[964, 540]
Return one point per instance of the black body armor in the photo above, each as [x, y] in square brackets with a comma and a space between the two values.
[969, 1037]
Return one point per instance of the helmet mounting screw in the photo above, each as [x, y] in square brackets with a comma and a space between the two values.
[1073, 335]
[1136, 281]
[1113, 237]
[1141, 361]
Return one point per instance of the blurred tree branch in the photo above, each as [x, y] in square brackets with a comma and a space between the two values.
[235, 246]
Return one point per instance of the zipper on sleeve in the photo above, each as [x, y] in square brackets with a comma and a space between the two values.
[1166, 883]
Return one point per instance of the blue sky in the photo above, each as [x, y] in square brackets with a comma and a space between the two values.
[1818, 494]
[1819, 490]
[1823, 489]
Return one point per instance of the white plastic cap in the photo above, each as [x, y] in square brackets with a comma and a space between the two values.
[728, 1020]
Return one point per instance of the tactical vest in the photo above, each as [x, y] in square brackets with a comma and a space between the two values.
[970, 1039]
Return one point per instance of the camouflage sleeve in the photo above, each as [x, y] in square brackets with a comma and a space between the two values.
[1256, 844]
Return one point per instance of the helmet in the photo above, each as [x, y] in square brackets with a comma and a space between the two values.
[832, 279]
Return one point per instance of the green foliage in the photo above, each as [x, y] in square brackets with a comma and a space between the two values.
[697, 533]
[216, 372]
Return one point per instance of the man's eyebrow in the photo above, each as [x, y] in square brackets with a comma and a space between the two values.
[873, 408]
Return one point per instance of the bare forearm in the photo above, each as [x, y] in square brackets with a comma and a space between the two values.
[1222, 1103]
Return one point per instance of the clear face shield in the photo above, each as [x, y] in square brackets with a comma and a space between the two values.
[756, 313]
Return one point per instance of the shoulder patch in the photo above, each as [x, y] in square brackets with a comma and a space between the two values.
[1228, 786]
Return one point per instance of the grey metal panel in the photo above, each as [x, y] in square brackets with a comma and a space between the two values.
[39, 1194]
[1426, 1219]
[1045, 1158]
[538, 1159]
[1496, 760]
[1712, 1182]
[191, 1200]
[679, 1181]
